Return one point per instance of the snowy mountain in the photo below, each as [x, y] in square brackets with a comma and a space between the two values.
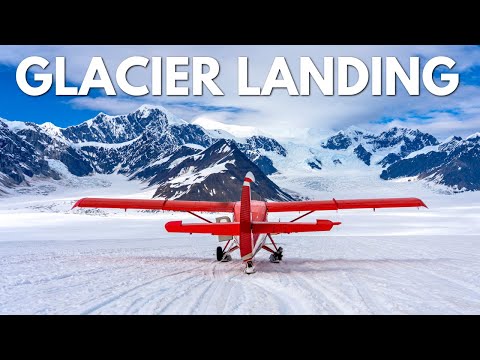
[118, 129]
[383, 149]
[19, 160]
[151, 143]
[455, 163]
[215, 173]
[133, 145]
[161, 137]
[259, 148]
[49, 143]
[154, 144]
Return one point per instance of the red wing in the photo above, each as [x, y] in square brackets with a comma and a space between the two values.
[147, 204]
[343, 204]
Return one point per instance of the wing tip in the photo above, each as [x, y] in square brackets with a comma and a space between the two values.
[421, 203]
[171, 226]
[78, 203]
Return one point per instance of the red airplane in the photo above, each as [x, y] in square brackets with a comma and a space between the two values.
[250, 228]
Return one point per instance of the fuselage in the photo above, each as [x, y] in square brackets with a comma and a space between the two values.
[258, 211]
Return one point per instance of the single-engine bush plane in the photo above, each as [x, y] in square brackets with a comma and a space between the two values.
[249, 229]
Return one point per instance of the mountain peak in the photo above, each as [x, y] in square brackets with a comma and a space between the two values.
[48, 125]
[115, 129]
[146, 107]
[220, 146]
[147, 110]
[51, 129]
[355, 130]
[475, 136]
[215, 173]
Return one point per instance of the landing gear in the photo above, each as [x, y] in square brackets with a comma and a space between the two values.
[249, 268]
[219, 253]
[223, 256]
[226, 258]
[277, 256]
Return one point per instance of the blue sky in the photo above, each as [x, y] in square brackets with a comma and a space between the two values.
[16, 105]
[279, 113]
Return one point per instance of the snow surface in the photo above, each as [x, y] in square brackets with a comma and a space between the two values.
[54, 260]
[192, 176]
[195, 146]
[17, 125]
[474, 136]
[82, 144]
[238, 131]
[424, 150]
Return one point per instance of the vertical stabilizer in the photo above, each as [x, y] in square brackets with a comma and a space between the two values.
[246, 240]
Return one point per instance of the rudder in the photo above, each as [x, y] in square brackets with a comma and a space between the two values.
[246, 240]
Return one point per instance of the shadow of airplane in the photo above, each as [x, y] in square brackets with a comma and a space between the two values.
[325, 265]
[288, 265]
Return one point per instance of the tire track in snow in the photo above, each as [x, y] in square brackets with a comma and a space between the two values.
[146, 300]
[133, 290]
[458, 290]
[197, 299]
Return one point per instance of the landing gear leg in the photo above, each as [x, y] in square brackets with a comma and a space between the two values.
[277, 255]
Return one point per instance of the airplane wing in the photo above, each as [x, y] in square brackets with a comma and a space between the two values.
[148, 204]
[344, 204]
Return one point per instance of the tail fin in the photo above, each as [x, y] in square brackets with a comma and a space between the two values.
[246, 240]
[249, 178]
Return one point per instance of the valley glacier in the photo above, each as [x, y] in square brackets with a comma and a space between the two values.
[54, 260]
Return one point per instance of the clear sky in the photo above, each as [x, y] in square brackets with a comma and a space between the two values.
[458, 113]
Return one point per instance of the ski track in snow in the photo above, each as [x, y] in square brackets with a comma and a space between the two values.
[396, 261]
[365, 275]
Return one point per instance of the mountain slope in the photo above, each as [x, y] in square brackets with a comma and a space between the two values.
[258, 149]
[49, 143]
[150, 142]
[383, 149]
[455, 163]
[19, 160]
[216, 174]
[108, 129]
[134, 145]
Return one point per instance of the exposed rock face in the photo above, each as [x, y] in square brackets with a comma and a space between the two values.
[215, 173]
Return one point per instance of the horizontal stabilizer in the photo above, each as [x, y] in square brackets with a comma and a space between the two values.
[289, 227]
[233, 228]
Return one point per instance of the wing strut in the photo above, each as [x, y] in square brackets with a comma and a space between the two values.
[200, 217]
[301, 216]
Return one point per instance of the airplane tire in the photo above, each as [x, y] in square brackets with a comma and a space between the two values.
[219, 253]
